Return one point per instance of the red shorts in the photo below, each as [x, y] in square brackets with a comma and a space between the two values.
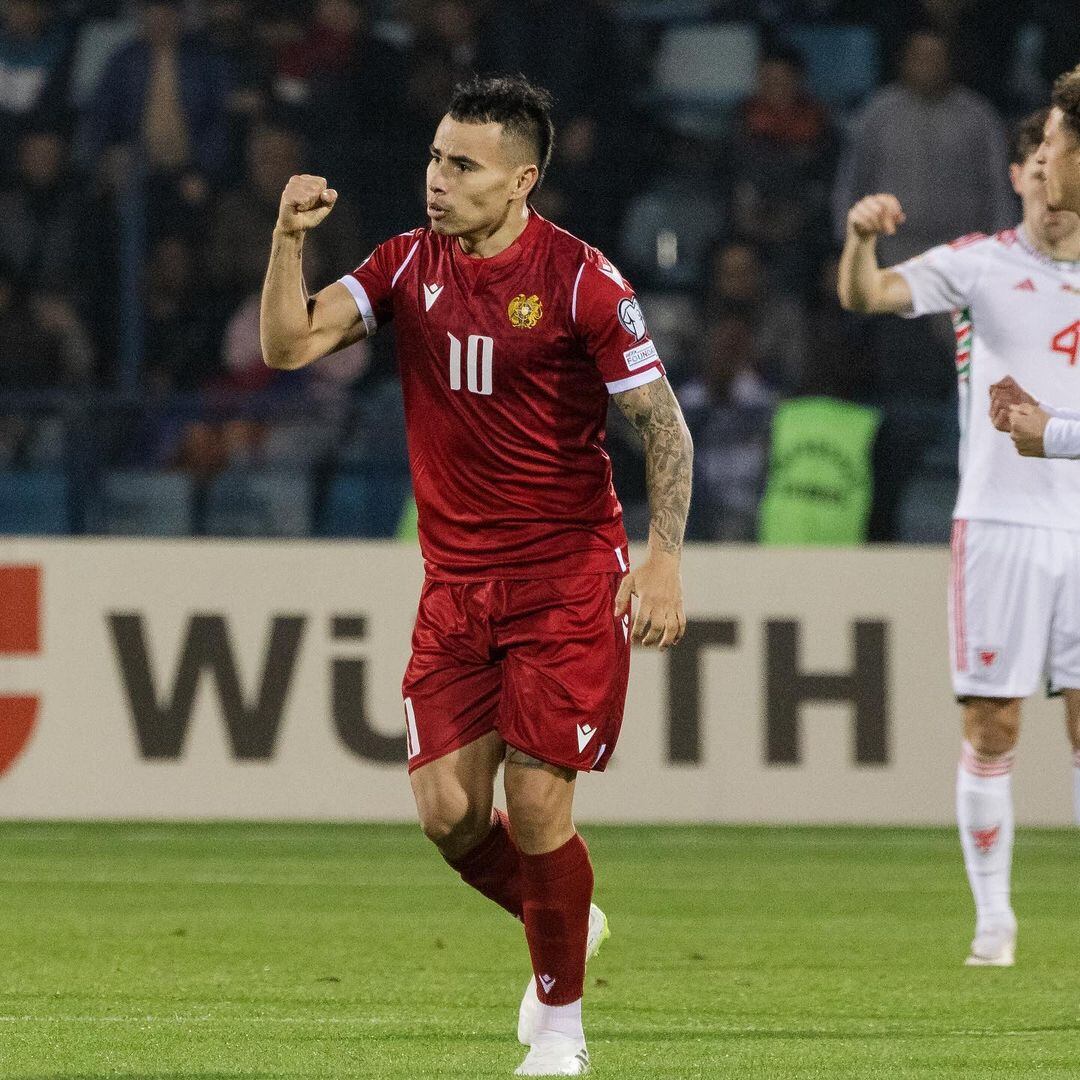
[544, 662]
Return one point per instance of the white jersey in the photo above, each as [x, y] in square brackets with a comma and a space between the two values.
[1016, 312]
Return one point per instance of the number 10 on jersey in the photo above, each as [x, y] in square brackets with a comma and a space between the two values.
[478, 353]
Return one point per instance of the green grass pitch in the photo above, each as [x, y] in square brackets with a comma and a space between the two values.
[161, 952]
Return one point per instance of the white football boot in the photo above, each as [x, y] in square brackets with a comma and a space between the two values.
[599, 932]
[994, 947]
[555, 1055]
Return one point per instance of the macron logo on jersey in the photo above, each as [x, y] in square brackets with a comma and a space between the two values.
[431, 294]
[585, 732]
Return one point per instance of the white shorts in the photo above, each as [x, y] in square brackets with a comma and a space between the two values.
[1014, 609]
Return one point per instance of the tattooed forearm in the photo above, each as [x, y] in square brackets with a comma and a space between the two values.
[669, 459]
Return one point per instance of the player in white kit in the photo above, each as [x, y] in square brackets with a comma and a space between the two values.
[1038, 429]
[1014, 594]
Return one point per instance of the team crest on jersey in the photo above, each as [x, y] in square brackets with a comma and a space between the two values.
[525, 311]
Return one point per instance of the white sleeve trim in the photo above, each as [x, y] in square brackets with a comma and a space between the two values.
[1064, 414]
[640, 379]
[1061, 439]
[401, 268]
[359, 294]
[573, 299]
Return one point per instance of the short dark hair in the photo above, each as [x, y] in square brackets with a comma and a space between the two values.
[1026, 136]
[523, 110]
[1066, 97]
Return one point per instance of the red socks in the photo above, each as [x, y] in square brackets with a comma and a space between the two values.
[551, 893]
[557, 889]
[493, 867]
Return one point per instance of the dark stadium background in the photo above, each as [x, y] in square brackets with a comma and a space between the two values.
[775, 842]
[708, 148]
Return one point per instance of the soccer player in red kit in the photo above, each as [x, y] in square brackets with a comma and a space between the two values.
[512, 334]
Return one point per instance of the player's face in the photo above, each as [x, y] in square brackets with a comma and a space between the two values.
[1058, 163]
[473, 179]
[1045, 225]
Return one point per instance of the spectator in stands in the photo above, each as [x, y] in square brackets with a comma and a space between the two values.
[307, 50]
[43, 346]
[940, 149]
[34, 67]
[442, 55]
[448, 29]
[737, 275]
[255, 415]
[782, 120]
[232, 33]
[180, 346]
[43, 220]
[727, 409]
[982, 35]
[837, 361]
[236, 266]
[783, 153]
[353, 120]
[42, 342]
[937, 146]
[161, 107]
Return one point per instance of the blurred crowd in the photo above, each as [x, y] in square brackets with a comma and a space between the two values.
[144, 147]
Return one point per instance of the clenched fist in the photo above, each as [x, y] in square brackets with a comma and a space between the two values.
[876, 215]
[1003, 396]
[1027, 425]
[305, 201]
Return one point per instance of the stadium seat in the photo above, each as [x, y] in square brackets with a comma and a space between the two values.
[709, 65]
[249, 502]
[144, 504]
[924, 512]
[365, 502]
[842, 62]
[667, 233]
[35, 503]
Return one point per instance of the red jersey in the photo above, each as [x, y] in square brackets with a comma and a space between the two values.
[506, 365]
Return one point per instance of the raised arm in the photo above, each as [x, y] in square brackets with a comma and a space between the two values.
[294, 327]
[863, 286]
[669, 458]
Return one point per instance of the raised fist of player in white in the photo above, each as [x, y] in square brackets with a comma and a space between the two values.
[1003, 396]
[876, 215]
[1027, 426]
[305, 201]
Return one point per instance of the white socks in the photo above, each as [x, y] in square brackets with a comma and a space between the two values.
[1076, 786]
[561, 1019]
[984, 812]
